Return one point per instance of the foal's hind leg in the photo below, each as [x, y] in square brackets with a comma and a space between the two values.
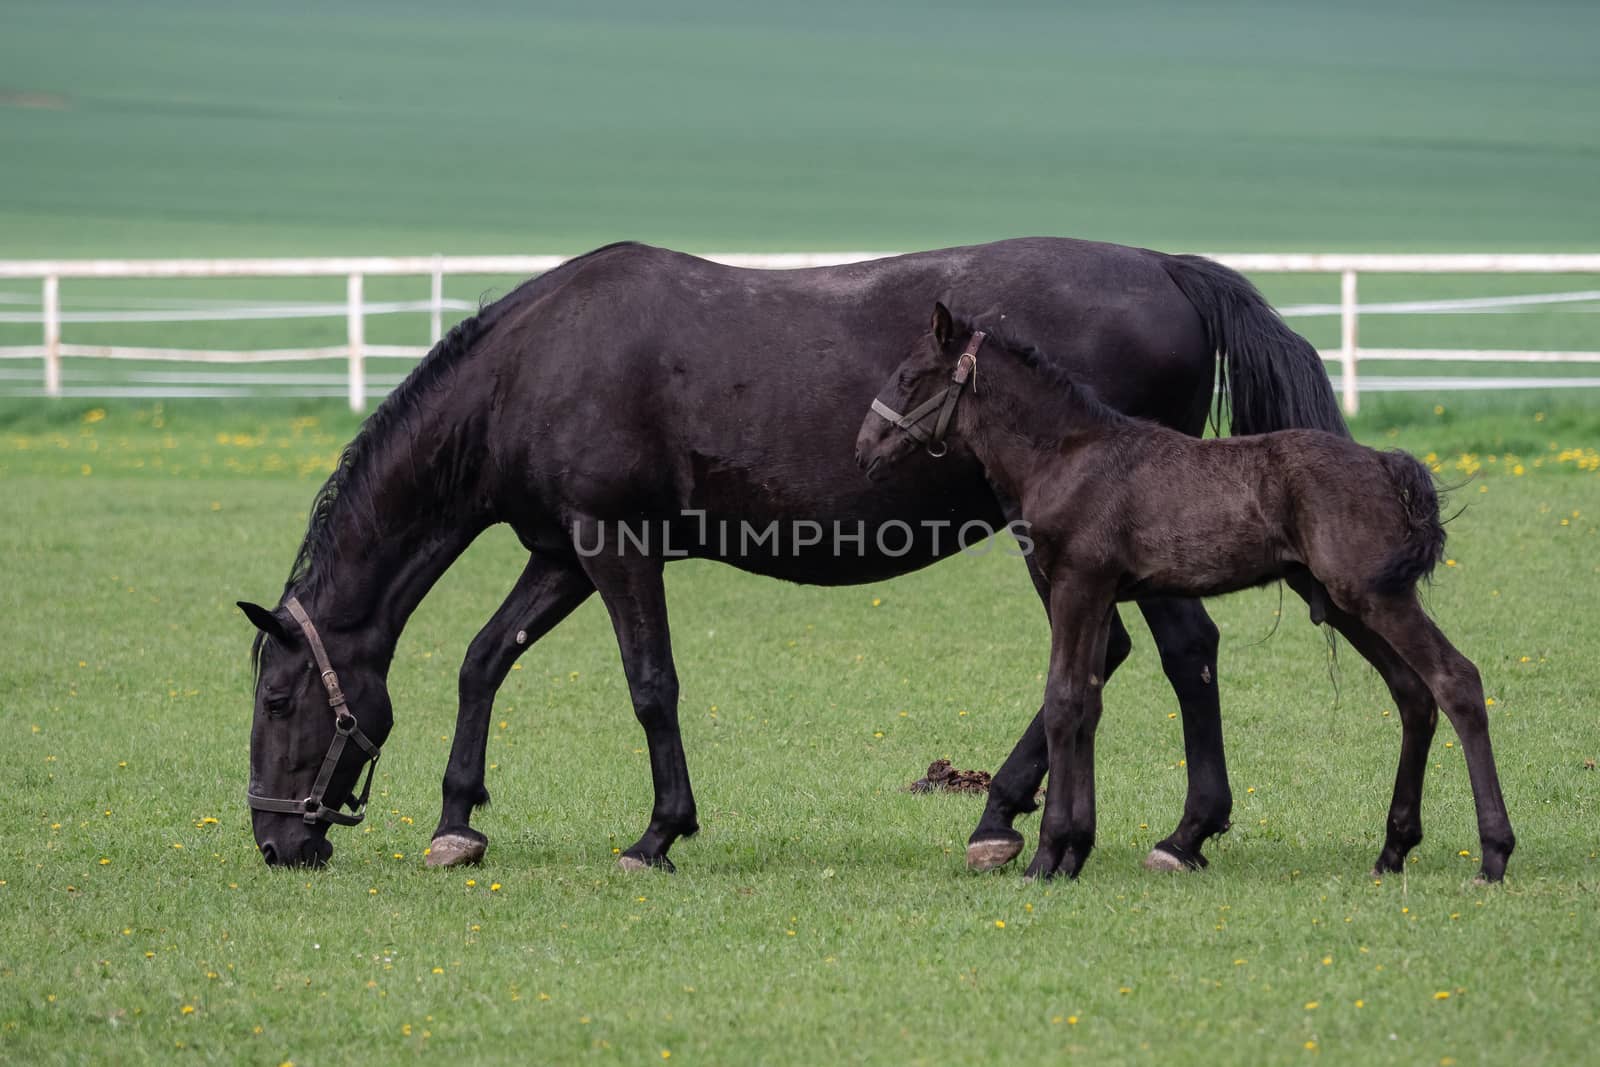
[546, 593]
[1458, 689]
[1187, 640]
[632, 589]
[1418, 718]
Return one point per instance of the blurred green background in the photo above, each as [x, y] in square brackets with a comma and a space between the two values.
[173, 128]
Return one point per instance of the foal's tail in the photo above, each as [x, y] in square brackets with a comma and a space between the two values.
[1270, 377]
[1422, 542]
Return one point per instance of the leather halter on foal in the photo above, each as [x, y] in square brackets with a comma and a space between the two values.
[345, 728]
[944, 403]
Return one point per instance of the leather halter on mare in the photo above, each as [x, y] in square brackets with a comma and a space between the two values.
[944, 403]
[345, 728]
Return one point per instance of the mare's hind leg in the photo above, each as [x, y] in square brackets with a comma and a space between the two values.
[632, 589]
[995, 843]
[1187, 640]
[1456, 686]
[1418, 717]
[546, 593]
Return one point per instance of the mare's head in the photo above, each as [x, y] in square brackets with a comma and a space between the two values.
[916, 407]
[321, 711]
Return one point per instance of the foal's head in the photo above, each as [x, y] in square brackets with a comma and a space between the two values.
[917, 405]
[1024, 392]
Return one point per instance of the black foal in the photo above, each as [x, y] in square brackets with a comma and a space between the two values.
[1119, 508]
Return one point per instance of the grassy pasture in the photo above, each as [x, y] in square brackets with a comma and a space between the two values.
[823, 913]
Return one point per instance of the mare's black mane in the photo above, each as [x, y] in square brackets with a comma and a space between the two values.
[350, 483]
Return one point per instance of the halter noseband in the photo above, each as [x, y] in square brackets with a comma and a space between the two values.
[944, 403]
[345, 728]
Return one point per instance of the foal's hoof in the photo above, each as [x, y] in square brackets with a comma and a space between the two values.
[993, 852]
[631, 863]
[456, 850]
[1173, 858]
[1049, 864]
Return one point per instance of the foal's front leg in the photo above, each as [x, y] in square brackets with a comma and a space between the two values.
[1186, 638]
[995, 843]
[1080, 629]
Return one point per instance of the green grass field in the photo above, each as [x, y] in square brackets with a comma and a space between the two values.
[823, 914]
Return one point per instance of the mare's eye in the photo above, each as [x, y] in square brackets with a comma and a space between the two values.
[277, 706]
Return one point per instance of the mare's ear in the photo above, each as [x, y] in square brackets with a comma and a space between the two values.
[943, 326]
[266, 621]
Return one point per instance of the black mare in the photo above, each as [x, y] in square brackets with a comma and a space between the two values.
[1118, 508]
[640, 386]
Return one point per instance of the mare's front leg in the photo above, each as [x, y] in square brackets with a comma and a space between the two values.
[1457, 687]
[1080, 629]
[1418, 717]
[632, 589]
[546, 593]
[1187, 640]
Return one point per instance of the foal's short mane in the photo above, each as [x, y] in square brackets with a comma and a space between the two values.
[1078, 397]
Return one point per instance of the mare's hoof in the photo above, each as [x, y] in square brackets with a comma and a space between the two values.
[1173, 859]
[1158, 860]
[456, 850]
[992, 853]
[631, 863]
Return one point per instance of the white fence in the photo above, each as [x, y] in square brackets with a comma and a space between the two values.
[356, 351]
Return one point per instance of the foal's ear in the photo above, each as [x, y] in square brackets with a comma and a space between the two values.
[943, 326]
[265, 621]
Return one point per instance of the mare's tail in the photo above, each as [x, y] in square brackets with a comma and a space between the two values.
[1271, 377]
[1422, 543]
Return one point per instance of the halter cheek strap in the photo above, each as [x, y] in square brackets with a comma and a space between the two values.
[944, 403]
[345, 729]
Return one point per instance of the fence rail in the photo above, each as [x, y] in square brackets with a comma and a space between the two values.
[356, 351]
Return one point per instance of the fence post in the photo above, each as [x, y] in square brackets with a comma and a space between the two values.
[436, 318]
[1347, 341]
[52, 335]
[356, 330]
